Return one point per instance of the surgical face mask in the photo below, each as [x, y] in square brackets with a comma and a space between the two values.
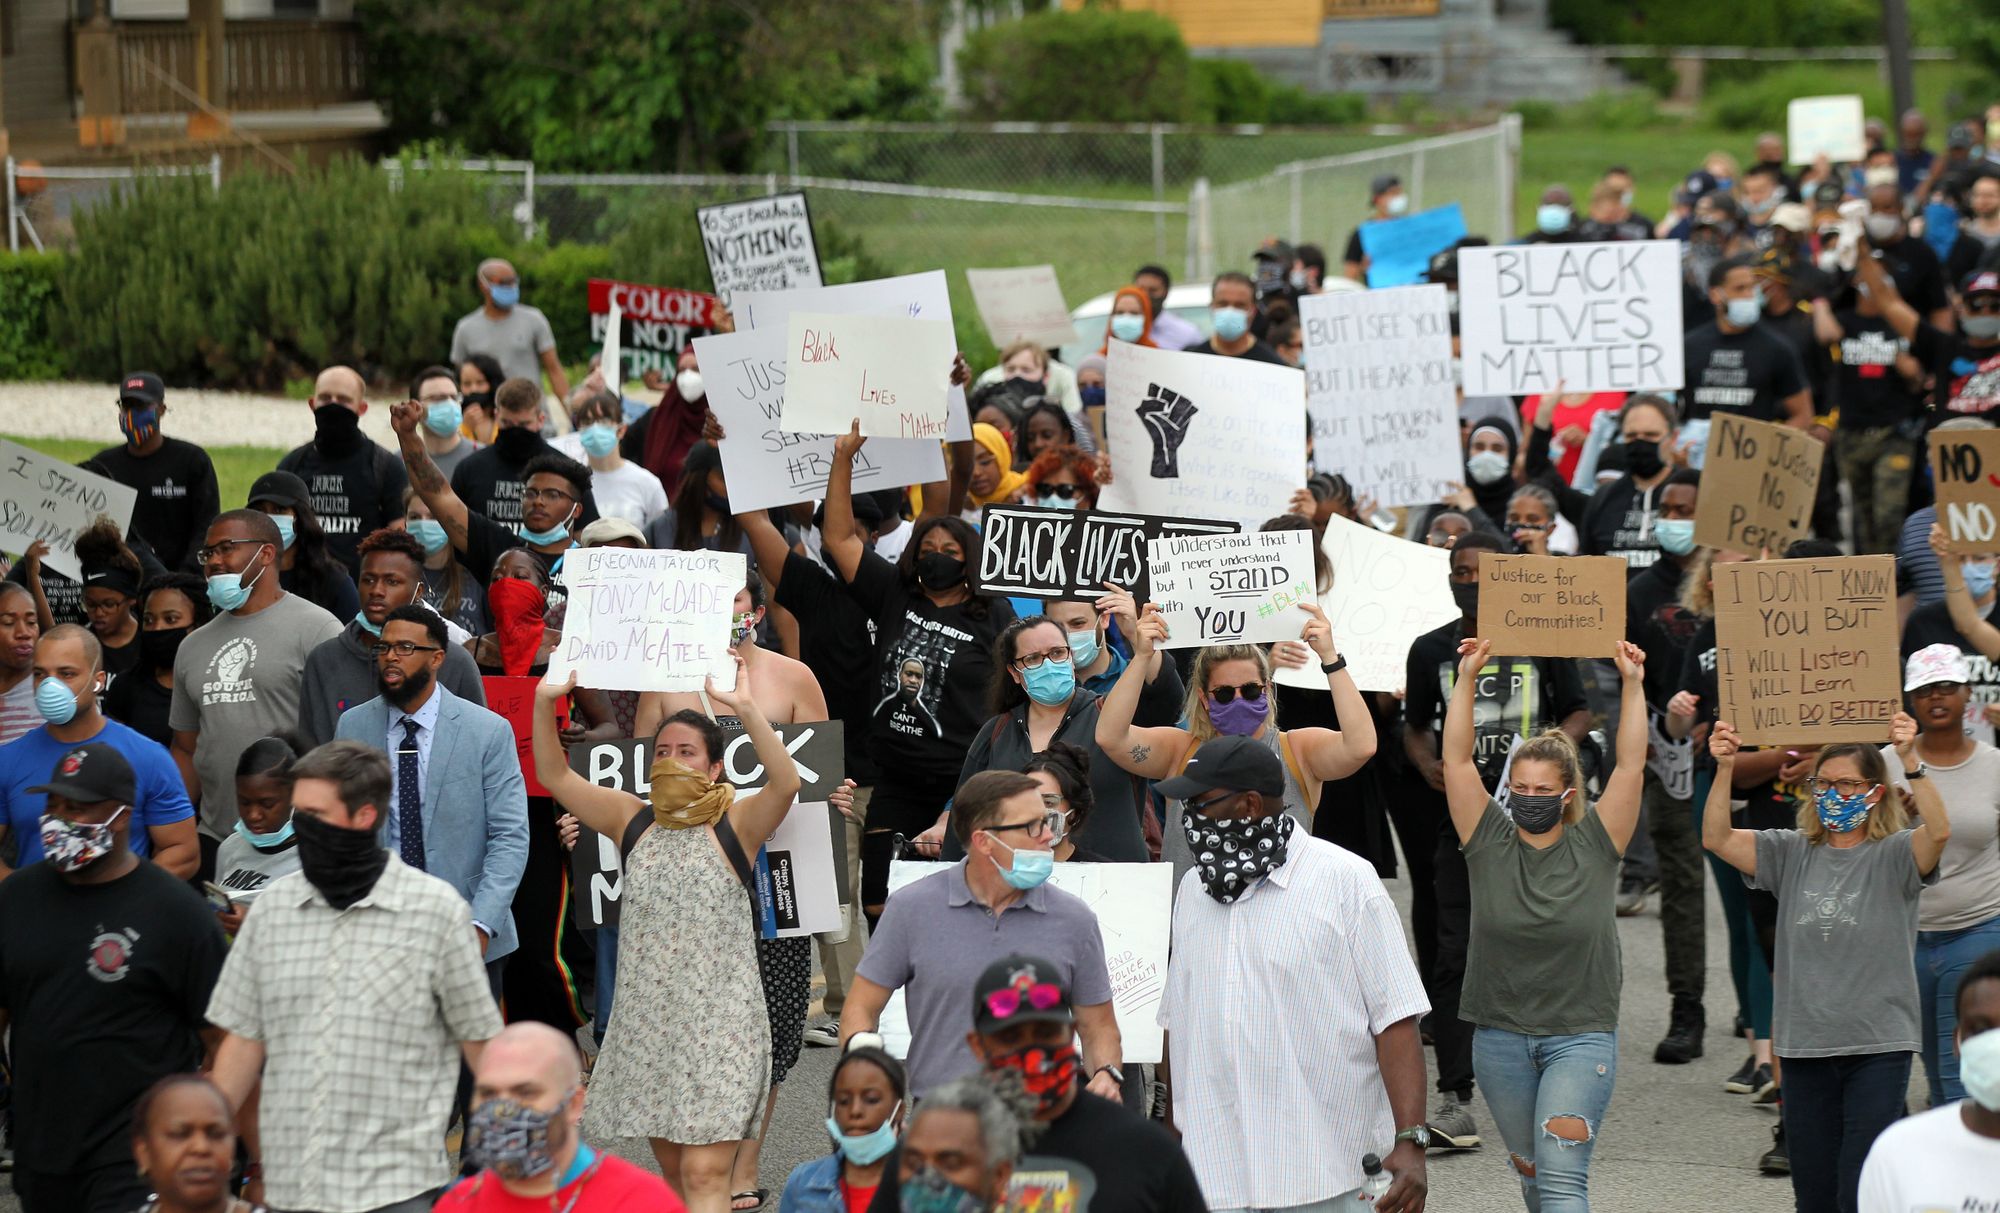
[1841, 813]
[865, 1149]
[1231, 856]
[1127, 327]
[429, 532]
[138, 425]
[1742, 313]
[1051, 683]
[505, 297]
[1979, 578]
[73, 845]
[688, 384]
[287, 529]
[1979, 1068]
[599, 439]
[1552, 217]
[276, 838]
[1535, 814]
[1676, 535]
[1881, 226]
[1398, 205]
[1049, 501]
[1240, 717]
[1625, 199]
[442, 417]
[555, 534]
[226, 591]
[55, 701]
[373, 629]
[928, 1191]
[511, 1139]
[1487, 467]
[1026, 869]
[1300, 280]
[1981, 328]
[1230, 322]
[1083, 648]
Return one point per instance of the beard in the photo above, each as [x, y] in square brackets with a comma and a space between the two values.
[413, 688]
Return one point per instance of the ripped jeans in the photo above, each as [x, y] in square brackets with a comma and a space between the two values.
[1532, 1081]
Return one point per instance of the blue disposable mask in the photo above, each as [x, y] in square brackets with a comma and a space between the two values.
[1091, 396]
[287, 529]
[226, 591]
[599, 438]
[505, 297]
[276, 838]
[1676, 535]
[55, 701]
[442, 417]
[1230, 322]
[864, 1149]
[1049, 501]
[1841, 813]
[1126, 326]
[555, 534]
[1552, 217]
[361, 620]
[429, 532]
[1083, 649]
[1028, 869]
[1979, 577]
[1743, 313]
[1051, 683]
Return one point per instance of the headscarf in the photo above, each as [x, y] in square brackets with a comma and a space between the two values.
[1091, 362]
[1010, 480]
[1145, 313]
[684, 798]
[518, 606]
[1492, 498]
[672, 428]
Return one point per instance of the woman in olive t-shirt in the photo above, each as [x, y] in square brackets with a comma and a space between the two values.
[1542, 969]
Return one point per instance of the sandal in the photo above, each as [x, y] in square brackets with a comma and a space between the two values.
[757, 1196]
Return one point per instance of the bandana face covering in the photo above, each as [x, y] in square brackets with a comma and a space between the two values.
[1047, 1073]
[512, 1139]
[518, 606]
[73, 845]
[1234, 855]
[342, 864]
[683, 798]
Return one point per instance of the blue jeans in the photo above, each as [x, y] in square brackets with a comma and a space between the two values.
[1941, 957]
[1834, 1109]
[1531, 1081]
[606, 943]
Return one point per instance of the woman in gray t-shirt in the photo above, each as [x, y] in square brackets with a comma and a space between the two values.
[1542, 967]
[1844, 980]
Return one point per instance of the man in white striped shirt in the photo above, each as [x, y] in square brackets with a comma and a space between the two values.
[1291, 1003]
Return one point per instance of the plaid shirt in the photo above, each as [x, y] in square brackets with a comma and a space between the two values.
[360, 1012]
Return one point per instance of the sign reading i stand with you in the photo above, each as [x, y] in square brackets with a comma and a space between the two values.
[1386, 593]
[1966, 467]
[1757, 486]
[1552, 606]
[1805, 650]
[767, 465]
[44, 499]
[889, 372]
[649, 620]
[1380, 391]
[1026, 551]
[761, 244]
[1231, 589]
[1592, 317]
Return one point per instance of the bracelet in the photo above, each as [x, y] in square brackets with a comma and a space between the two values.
[1117, 1075]
[1335, 666]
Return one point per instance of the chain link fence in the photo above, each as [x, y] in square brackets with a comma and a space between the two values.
[43, 202]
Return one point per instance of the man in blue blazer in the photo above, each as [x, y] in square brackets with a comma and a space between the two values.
[458, 809]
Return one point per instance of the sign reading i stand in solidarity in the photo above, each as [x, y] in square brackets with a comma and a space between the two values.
[1026, 551]
[1552, 606]
[649, 620]
[1592, 317]
[1380, 390]
[1231, 589]
[1966, 466]
[890, 373]
[760, 244]
[655, 323]
[1200, 436]
[1757, 486]
[1805, 650]
[44, 499]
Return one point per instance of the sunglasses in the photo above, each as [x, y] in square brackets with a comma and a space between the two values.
[1251, 691]
[1042, 996]
[1068, 492]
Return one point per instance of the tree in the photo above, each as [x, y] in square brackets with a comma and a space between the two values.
[1092, 65]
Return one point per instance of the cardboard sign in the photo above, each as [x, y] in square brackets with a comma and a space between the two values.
[645, 328]
[1829, 126]
[512, 698]
[792, 860]
[1758, 485]
[1805, 650]
[1381, 393]
[924, 296]
[760, 244]
[1231, 589]
[1592, 317]
[1024, 304]
[1399, 250]
[42, 498]
[1552, 606]
[1026, 551]
[765, 465]
[1202, 436]
[890, 372]
[649, 620]
[1965, 465]
[1134, 907]
[1386, 593]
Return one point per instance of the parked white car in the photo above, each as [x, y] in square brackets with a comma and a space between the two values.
[1189, 302]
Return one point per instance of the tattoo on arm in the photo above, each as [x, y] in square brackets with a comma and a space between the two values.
[424, 474]
[1141, 753]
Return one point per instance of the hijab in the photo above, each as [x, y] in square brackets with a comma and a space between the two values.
[672, 428]
[1010, 480]
[1492, 498]
[1145, 313]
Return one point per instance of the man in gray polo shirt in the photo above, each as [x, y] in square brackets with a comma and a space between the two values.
[939, 934]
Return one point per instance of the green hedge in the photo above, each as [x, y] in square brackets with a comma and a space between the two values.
[28, 349]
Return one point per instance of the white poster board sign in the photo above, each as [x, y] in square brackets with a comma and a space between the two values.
[924, 296]
[759, 244]
[766, 466]
[1828, 126]
[1231, 589]
[649, 620]
[42, 498]
[1592, 317]
[1380, 390]
[1386, 593]
[888, 372]
[1134, 907]
[1024, 304]
[1202, 436]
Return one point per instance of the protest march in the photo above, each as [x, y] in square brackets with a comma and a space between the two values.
[492, 818]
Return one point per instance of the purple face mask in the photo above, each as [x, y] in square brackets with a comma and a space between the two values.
[1239, 717]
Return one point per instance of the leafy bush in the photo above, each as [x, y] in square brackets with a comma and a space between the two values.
[1727, 22]
[1294, 106]
[27, 299]
[1760, 101]
[1092, 65]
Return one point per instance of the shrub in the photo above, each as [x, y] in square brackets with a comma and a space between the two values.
[1092, 65]
[27, 300]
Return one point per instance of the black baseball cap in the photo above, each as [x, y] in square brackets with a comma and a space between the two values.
[1239, 764]
[1275, 249]
[142, 388]
[92, 772]
[1019, 989]
[279, 488]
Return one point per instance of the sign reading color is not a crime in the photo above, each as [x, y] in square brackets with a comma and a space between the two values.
[1758, 485]
[1590, 317]
[1966, 467]
[1552, 606]
[1805, 650]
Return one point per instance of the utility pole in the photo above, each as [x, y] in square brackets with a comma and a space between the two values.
[1896, 41]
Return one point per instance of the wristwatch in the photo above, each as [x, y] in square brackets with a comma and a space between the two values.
[1421, 1135]
[1922, 772]
[1335, 666]
[1117, 1075]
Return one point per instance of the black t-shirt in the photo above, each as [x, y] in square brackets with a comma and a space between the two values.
[335, 593]
[1968, 376]
[1771, 805]
[1619, 522]
[1258, 352]
[1866, 385]
[1095, 1158]
[106, 987]
[355, 493]
[1795, 328]
[1516, 698]
[489, 483]
[1656, 621]
[142, 703]
[1750, 372]
[837, 640]
[1931, 624]
[177, 495]
[1918, 273]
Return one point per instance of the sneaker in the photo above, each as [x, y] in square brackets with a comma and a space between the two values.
[825, 1034]
[1684, 1033]
[1740, 1083]
[1631, 898]
[1767, 1089]
[1777, 1160]
[1451, 1124]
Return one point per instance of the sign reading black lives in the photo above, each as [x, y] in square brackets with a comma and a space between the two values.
[596, 868]
[1028, 551]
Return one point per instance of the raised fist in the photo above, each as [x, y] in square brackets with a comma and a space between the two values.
[1166, 415]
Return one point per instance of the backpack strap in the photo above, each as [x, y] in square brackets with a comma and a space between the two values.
[732, 848]
[1187, 756]
[1292, 764]
[633, 829]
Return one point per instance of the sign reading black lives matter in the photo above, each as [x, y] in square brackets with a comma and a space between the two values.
[1026, 551]
[800, 886]
[1591, 317]
[759, 244]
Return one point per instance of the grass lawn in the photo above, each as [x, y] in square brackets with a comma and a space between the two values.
[236, 467]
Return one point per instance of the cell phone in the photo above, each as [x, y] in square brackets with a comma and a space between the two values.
[218, 897]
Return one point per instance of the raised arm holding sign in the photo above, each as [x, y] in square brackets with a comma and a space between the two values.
[649, 620]
[44, 500]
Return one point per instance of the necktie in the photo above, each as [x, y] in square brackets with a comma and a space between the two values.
[409, 799]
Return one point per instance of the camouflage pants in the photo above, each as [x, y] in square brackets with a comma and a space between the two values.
[1876, 464]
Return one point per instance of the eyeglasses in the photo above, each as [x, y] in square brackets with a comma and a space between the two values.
[1930, 689]
[1203, 806]
[1042, 996]
[1982, 304]
[203, 555]
[1049, 825]
[402, 648]
[1251, 691]
[1068, 492]
[1845, 787]
[545, 495]
[1033, 661]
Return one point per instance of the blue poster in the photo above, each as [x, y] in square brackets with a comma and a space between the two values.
[1399, 250]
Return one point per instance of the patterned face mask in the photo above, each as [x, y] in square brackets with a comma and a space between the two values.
[1234, 855]
[512, 1139]
[1047, 1072]
[73, 845]
[1841, 813]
